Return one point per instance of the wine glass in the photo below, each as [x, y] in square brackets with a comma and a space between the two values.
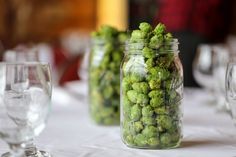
[203, 66]
[25, 94]
[21, 53]
[230, 88]
[29, 53]
[222, 57]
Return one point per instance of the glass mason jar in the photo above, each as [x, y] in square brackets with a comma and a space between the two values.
[104, 81]
[151, 96]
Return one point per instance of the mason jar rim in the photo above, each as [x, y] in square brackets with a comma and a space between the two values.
[138, 46]
[173, 41]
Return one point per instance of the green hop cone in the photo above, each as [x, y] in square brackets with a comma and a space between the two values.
[156, 41]
[160, 29]
[147, 111]
[164, 121]
[168, 37]
[129, 139]
[156, 93]
[156, 102]
[141, 87]
[148, 121]
[165, 60]
[126, 84]
[108, 31]
[108, 92]
[160, 73]
[136, 113]
[150, 63]
[163, 110]
[137, 35]
[135, 78]
[142, 99]
[165, 139]
[132, 96]
[145, 27]
[122, 37]
[116, 56]
[153, 142]
[154, 84]
[141, 140]
[148, 52]
[150, 131]
[127, 106]
[138, 126]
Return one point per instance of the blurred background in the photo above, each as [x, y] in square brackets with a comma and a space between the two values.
[61, 28]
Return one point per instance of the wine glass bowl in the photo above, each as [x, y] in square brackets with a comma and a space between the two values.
[209, 69]
[203, 66]
[22, 53]
[25, 94]
[230, 87]
[222, 57]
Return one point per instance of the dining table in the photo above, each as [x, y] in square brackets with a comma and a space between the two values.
[70, 132]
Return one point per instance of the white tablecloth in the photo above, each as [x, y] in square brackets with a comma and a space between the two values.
[70, 132]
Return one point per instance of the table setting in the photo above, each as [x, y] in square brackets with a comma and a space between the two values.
[132, 101]
[71, 132]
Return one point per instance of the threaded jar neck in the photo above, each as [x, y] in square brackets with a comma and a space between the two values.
[159, 48]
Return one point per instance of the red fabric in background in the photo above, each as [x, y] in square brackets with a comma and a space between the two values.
[71, 71]
[59, 55]
[206, 17]
[174, 13]
[66, 65]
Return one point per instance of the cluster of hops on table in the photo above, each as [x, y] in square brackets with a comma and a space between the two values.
[104, 74]
[151, 104]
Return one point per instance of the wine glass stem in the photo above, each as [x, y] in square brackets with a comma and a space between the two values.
[30, 148]
[17, 150]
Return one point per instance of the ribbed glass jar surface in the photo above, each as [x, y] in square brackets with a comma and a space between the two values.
[104, 81]
[151, 96]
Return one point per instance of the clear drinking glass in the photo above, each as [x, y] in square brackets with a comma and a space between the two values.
[209, 69]
[203, 66]
[222, 57]
[22, 53]
[230, 87]
[25, 94]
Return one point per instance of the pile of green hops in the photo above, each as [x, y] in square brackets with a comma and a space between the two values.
[151, 90]
[104, 75]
